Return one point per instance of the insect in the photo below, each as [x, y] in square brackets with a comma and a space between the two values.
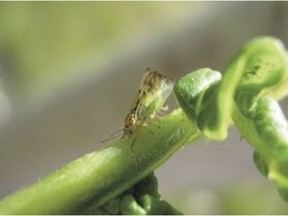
[153, 91]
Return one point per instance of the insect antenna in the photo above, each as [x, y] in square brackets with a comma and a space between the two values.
[116, 132]
[112, 136]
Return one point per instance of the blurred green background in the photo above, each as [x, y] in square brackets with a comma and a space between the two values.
[69, 71]
[42, 43]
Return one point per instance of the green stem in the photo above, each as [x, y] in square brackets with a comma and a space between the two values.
[97, 177]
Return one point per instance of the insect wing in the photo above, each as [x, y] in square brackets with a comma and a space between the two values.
[153, 91]
[158, 93]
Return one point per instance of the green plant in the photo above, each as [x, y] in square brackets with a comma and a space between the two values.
[113, 180]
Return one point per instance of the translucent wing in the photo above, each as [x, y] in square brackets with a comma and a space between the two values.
[153, 91]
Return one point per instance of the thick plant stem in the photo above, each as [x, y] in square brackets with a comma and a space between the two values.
[99, 176]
